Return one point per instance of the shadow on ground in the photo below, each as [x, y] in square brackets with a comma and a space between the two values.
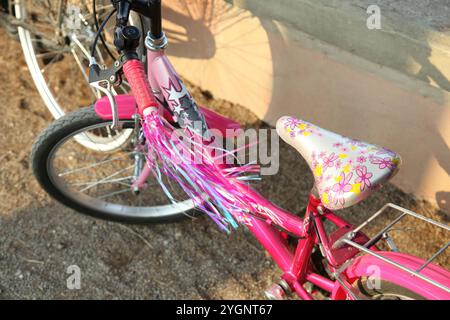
[177, 260]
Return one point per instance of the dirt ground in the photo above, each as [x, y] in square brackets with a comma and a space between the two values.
[192, 259]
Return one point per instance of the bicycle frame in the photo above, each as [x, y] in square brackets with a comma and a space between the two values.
[272, 231]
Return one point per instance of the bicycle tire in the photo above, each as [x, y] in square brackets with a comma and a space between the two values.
[59, 130]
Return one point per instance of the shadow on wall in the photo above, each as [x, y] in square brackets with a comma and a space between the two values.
[437, 147]
[441, 150]
[201, 26]
[198, 34]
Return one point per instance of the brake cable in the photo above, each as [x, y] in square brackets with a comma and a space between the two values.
[100, 30]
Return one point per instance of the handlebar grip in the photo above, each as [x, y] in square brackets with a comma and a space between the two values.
[140, 87]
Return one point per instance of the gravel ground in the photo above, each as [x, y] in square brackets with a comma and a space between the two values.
[191, 259]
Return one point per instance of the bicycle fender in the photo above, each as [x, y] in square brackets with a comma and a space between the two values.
[370, 266]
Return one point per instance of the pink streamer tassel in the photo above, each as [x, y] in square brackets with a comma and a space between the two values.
[215, 188]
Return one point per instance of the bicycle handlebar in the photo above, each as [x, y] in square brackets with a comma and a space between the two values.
[126, 40]
[147, 8]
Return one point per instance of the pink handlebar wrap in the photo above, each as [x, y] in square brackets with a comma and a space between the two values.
[136, 77]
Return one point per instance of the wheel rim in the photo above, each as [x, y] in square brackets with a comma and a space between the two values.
[111, 192]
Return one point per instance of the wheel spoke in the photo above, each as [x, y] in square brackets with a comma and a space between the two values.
[93, 165]
[49, 54]
[43, 70]
[112, 181]
[105, 179]
[114, 193]
[81, 47]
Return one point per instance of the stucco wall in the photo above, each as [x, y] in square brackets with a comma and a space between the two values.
[273, 68]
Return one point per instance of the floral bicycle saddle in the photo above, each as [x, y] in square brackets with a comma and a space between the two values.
[346, 170]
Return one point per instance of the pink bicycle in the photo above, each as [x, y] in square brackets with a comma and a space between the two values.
[150, 179]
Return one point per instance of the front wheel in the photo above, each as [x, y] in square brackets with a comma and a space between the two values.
[101, 184]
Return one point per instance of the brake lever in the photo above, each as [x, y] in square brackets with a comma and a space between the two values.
[103, 80]
[105, 87]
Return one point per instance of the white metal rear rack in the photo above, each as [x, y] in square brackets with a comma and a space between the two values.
[384, 235]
